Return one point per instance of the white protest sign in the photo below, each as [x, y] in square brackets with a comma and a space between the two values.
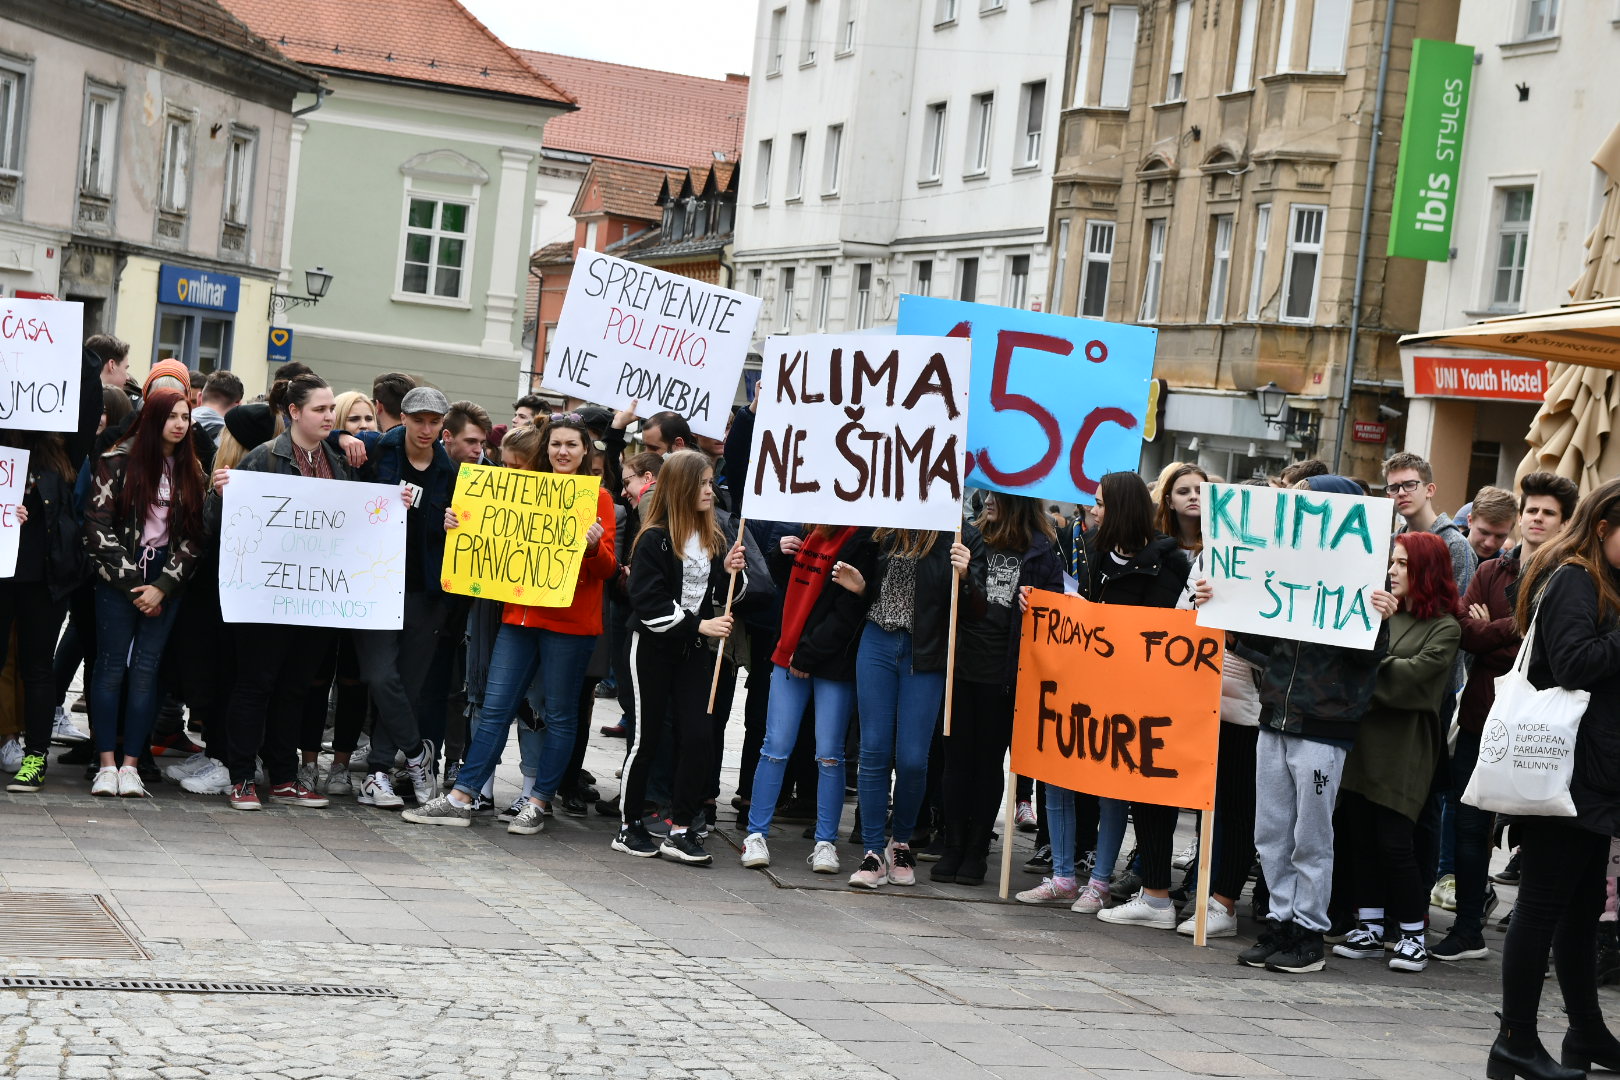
[1295, 564]
[633, 333]
[304, 552]
[861, 430]
[13, 482]
[40, 365]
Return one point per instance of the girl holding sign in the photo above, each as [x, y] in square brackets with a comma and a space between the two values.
[679, 577]
[144, 528]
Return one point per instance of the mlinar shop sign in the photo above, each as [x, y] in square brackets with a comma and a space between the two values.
[1431, 150]
[187, 287]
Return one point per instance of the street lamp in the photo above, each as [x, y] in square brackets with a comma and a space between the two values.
[316, 282]
[1300, 424]
[1273, 400]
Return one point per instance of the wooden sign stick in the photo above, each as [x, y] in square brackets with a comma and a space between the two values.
[950, 643]
[731, 590]
[1206, 857]
[1007, 833]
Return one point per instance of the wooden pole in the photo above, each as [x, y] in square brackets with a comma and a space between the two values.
[1008, 830]
[1206, 853]
[950, 646]
[731, 590]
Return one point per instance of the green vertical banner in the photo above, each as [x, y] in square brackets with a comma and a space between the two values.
[1431, 150]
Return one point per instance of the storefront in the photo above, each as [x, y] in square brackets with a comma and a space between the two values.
[196, 317]
[1469, 416]
[1224, 432]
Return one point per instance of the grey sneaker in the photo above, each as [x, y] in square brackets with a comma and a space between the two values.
[424, 774]
[309, 775]
[440, 811]
[530, 820]
[337, 781]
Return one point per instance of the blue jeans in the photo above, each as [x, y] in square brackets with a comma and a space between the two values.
[1110, 837]
[127, 641]
[789, 697]
[898, 707]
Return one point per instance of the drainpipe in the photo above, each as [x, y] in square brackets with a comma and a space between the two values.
[321, 93]
[526, 386]
[1366, 230]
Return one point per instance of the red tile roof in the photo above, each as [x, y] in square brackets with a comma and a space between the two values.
[208, 20]
[635, 114]
[425, 41]
[623, 189]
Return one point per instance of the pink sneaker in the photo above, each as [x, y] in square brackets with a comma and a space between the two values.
[1089, 901]
[1049, 892]
[872, 873]
[902, 865]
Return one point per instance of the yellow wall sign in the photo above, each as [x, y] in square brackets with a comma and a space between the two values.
[522, 535]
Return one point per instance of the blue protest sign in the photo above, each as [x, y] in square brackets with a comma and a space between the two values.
[1056, 402]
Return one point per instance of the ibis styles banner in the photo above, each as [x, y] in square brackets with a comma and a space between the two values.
[1295, 564]
[298, 551]
[1123, 702]
[861, 430]
[1057, 401]
[522, 535]
[1431, 150]
[630, 333]
[40, 363]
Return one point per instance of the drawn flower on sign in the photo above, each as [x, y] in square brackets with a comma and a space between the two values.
[377, 510]
[477, 589]
[466, 470]
[446, 583]
[517, 590]
[466, 515]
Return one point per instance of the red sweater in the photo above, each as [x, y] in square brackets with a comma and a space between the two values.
[584, 616]
[812, 570]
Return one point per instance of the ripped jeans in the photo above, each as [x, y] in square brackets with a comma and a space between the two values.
[789, 698]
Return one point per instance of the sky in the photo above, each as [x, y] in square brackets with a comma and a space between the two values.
[710, 38]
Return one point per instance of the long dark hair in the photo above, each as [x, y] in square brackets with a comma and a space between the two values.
[1018, 519]
[145, 469]
[1127, 524]
[46, 452]
[1166, 520]
[286, 393]
[571, 422]
[1431, 587]
[1578, 545]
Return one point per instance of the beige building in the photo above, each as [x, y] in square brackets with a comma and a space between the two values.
[1212, 157]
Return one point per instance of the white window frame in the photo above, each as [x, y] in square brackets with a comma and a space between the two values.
[846, 28]
[1243, 57]
[1540, 20]
[863, 296]
[762, 172]
[1500, 230]
[785, 281]
[1285, 36]
[239, 176]
[1084, 47]
[1153, 269]
[811, 33]
[1096, 252]
[1031, 123]
[1060, 264]
[1257, 264]
[922, 277]
[756, 281]
[1175, 75]
[935, 118]
[1293, 247]
[823, 297]
[1330, 35]
[469, 199]
[98, 143]
[832, 160]
[1119, 57]
[174, 171]
[773, 46]
[14, 118]
[990, 7]
[981, 130]
[1220, 267]
[962, 266]
[1017, 288]
[945, 12]
[798, 143]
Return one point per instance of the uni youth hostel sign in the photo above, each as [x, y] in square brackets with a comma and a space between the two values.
[1431, 150]
[184, 286]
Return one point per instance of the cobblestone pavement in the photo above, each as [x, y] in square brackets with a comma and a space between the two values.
[553, 956]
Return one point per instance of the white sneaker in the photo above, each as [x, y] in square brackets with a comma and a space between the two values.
[1138, 912]
[64, 730]
[1186, 856]
[755, 854]
[129, 783]
[191, 766]
[309, 774]
[378, 791]
[1218, 923]
[425, 774]
[212, 779]
[337, 781]
[11, 755]
[362, 754]
[824, 859]
[106, 781]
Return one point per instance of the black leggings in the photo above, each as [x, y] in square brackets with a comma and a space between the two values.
[1561, 895]
[27, 605]
[340, 662]
[274, 666]
[1234, 812]
[679, 677]
[1383, 863]
[975, 759]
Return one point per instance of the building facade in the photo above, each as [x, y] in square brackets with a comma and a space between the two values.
[1528, 197]
[412, 182]
[897, 148]
[143, 172]
[1212, 158]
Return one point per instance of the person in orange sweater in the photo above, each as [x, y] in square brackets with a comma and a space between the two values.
[554, 642]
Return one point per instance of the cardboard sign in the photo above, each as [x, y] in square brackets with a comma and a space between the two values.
[522, 535]
[632, 333]
[1122, 702]
[305, 552]
[861, 430]
[1057, 401]
[13, 483]
[40, 365]
[1295, 564]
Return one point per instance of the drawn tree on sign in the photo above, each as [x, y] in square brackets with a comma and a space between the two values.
[241, 540]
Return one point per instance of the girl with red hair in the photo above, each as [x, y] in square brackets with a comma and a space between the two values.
[1388, 771]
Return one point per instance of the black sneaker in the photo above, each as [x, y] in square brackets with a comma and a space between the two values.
[1341, 929]
[1272, 941]
[1041, 862]
[30, 774]
[1362, 943]
[634, 840]
[572, 805]
[1461, 947]
[1304, 953]
[1126, 885]
[685, 846]
[1411, 953]
[1509, 874]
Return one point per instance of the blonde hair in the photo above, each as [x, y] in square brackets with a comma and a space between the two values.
[527, 443]
[229, 453]
[674, 504]
[346, 401]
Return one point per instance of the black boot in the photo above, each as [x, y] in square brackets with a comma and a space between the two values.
[1518, 1053]
[1589, 1045]
[950, 862]
[975, 856]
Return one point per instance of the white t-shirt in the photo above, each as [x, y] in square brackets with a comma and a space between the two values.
[694, 574]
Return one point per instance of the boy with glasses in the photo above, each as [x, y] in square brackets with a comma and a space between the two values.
[1409, 480]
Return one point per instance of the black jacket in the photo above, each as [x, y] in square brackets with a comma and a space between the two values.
[832, 632]
[655, 589]
[1318, 690]
[1577, 649]
[931, 608]
[1041, 568]
[1154, 577]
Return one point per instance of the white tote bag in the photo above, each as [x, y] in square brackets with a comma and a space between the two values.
[1527, 750]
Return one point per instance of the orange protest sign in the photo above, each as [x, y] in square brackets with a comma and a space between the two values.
[1117, 701]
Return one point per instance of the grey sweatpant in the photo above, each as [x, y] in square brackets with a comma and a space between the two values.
[1296, 787]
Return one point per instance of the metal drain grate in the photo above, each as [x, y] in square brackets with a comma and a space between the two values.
[63, 925]
[181, 986]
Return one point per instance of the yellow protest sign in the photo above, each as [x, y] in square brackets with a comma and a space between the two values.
[522, 535]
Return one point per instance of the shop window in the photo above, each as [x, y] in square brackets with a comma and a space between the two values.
[437, 237]
[201, 342]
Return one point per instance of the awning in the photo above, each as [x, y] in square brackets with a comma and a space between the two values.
[1586, 334]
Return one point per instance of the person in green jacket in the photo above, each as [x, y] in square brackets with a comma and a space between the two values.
[1387, 774]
